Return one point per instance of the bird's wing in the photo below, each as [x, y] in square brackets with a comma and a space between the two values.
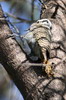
[23, 44]
[33, 43]
[31, 40]
[26, 43]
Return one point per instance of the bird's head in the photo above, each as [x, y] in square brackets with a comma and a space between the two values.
[45, 23]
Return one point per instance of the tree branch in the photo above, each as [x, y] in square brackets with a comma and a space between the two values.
[31, 81]
[12, 57]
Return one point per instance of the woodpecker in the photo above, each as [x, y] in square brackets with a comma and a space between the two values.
[36, 42]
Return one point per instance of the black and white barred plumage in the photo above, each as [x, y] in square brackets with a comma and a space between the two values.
[38, 38]
[36, 42]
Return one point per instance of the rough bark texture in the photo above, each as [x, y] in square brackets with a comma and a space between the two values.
[31, 81]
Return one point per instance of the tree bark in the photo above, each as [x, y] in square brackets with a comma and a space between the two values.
[31, 81]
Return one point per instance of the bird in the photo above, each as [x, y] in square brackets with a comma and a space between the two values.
[36, 42]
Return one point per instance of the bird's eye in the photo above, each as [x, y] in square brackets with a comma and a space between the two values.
[47, 21]
[37, 21]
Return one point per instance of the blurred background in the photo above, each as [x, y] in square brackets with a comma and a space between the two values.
[21, 13]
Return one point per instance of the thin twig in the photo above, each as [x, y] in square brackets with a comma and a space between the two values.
[16, 29]
[42, 64]
[32, 13]
[36, 64]
[18, 18]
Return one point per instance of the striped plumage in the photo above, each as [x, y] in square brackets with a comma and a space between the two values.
[43, 39]
[39, 38]
[36, 43]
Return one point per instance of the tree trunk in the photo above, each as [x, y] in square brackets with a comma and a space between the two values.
[31, 81]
